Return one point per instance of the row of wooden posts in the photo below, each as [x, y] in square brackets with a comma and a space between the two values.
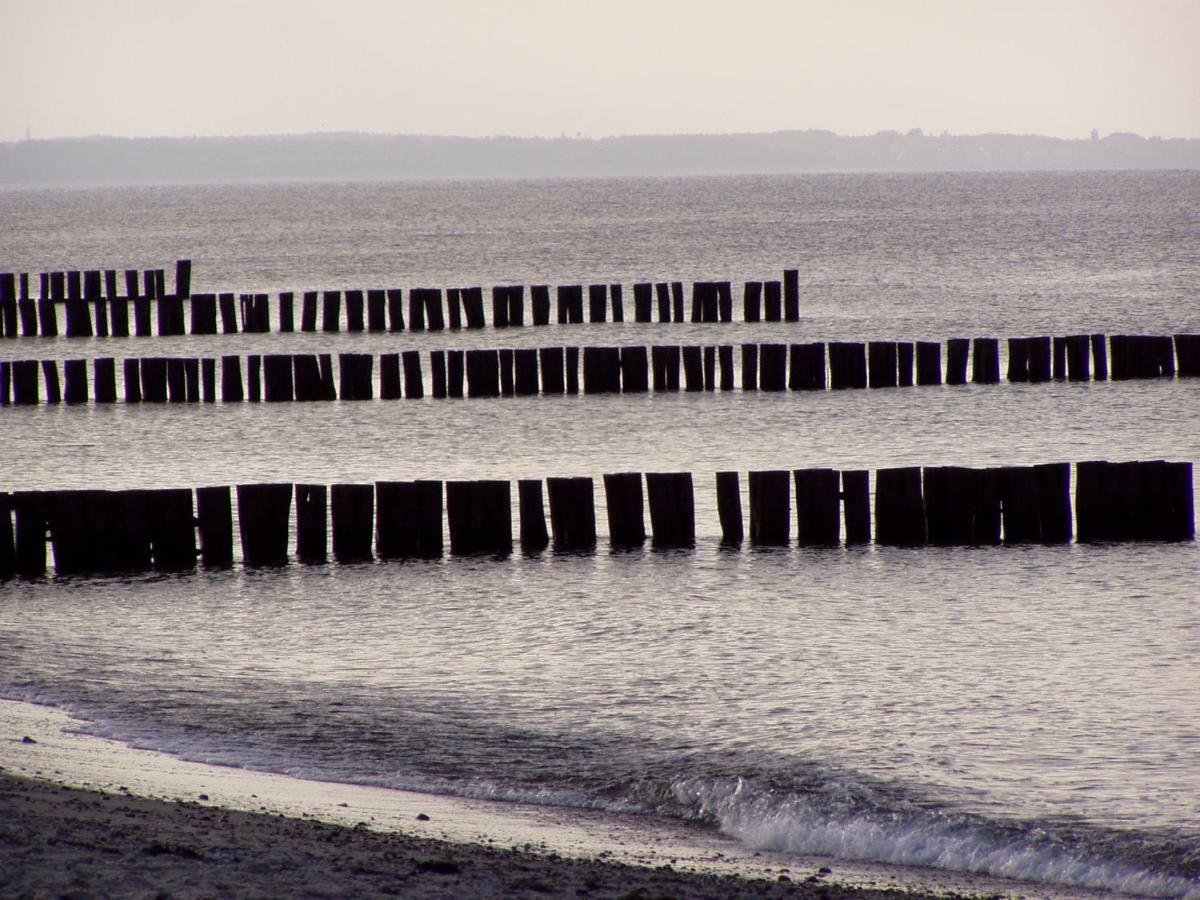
[94, 531]
[95, 308]
[556, 370]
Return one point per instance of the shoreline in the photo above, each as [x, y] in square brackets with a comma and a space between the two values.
[96, 817]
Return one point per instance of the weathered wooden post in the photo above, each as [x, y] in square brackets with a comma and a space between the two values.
[772, 371]
[881, 364]
[772, 301]
[770, 508]
[435, 319]
[50, 376]
[479, 517]
[856, 502]
[209, 378]
[312, 516]
[539, 298]
[353, 508]
[693, 369]
[729, 508]
[287, 312]
[601, 370]
[51, 290]
[1040, 369]
[173, 537]
[355, 309]
[643, 301]
[357, 378]
[572, 513]
[308, 311]
[277, 371]
[899, 507]
[677, 300]
[1053, 484]
[791, 295]
[204, 314]
[472, 298]
[133, 381]
[552, 366]
[929, 362]
[176, 381]
[807, 367]
[331, 311]
[437, 374]
[985, 361]
[104, 375]
[154, 379]
[414, 387]
[75, 381]
[634, 370]
[818, 510]
[516, 306]
[662, 296]
[1018, 360]
[408, 519]
[904, 363]
[29, 533]
[623, 499]
[525, 366]
[672, 508]
[725, 357]
[950, 499]
[228, 310]
[456, 373]
[597, 302]
[749, 367]
[263, 514]
[534, 536]
[214, 522]
[254, 378]
[1078, 368]
[957, 352]
[572, 369]
[483, 373]
[231, 379]
[389, 376]
[848, 365]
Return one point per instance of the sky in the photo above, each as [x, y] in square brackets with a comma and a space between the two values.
[562, 67]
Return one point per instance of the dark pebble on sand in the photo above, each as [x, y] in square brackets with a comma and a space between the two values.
[203, 796]
[421, 817]
[28, 740]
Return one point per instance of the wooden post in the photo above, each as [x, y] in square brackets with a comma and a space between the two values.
[8, 315]
[154, 379]
[572, 513]
[1018, 360]
[551, 362]
[52, 289]
[92, 295]
[355, 309]
[173, 537]
[183, 278]
[263, 513]
[1052, 482]
[672, 508]
[929, 362]
[254, 378]
[572, 369]
[229, 323]
[5, 382]
[566, 297]
[534, 536]
[623, 499]
[772, 301]
[79, 322]
[434, 318]
[499, 320]
[133, 381]
[856, 502]
[104, 375]
[848, 365]
[1078, 368]
[693, 369]
[479, 517]
[807, 367]
[191, 375]
[643, 301]
[287, 312]
[634, 370]
[204, 314]
[1039, 359]
[75, 381]
[749, 367]
[414, 387]
[516, 306]
[725, 357]
[8, 556]
[1187, 354]
[278, 377]
[231, 379]
[508, 385]
[456, 372]
[539, 298]
[729, 508]
[1100, 357]
[1060, 358]
[208, 369]
[395, 309]
[818, 512]
[597, 302]
[985, 361]
[353, 507]
[710, 368]
[957, 352]
[483, 373]
[176, 381]
[214, 521]
[525, 363]
[437, 371]
[308, 312]
[331, 311]
[29, 533]
[950, 500]
[50, 376]
[882, 368]
[29, 312]
[662, 296]
[899, 507]
[472, 298]
[312, 515]
[904, 363]
[389, 376]
[408, 519]
[791, 295]
[677, 300]
[772, 372]
[770, 508]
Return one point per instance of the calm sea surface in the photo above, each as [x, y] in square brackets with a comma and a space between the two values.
[1029, 712]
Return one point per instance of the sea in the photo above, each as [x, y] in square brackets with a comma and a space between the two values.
[1026, 712]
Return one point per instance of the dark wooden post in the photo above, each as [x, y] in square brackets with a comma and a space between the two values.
[1018, 496]
[1052, 482]
[623, 499]
[818, 512]
[50, 376]
[208, 368]
[929, 362]
[525, 365]
[1039, 359]
[881, 364]
[389, 376]
[1018, 360]
[176, 381]
[1060, 358]
[75, 381]
[8, 313]
[92, 295]
[899, 507]
[133, 381]
[848, 365]
[1078, 368]
[254, 378]
[79, 321]
[355, 307]
[8, 555]
[456, 372]
[950, 499]
[104, 375]
[312, 523]
[662, 296]
[643, 301]
[791, 295]
[904, 363]
[672, 508]
[353, 508]
[552, 366]
[204, 314]
[287, 312]
[437, 372]
[957, 352]
[601, 370]
[693, 369]
[278, 377]
[52, 289]
[191, 375]
[570, 304]
[435, 320]
[572, 513]
[749, 367]
[5, 382]
[1100, 357]
[572, 369]
[534, 536]
[395, 309]
[856, 501]
[770, 508]
[483, 373]
[725, 358]
[231, 379]
[516, 305]
[263, 513]
[729, 508]
[985, 361]
[29, 538]
[408, 519]
[634, 370]
[597, 302]
[214, 521]
[1187, 354]
[772, 301]
[677, 300]
[472, 298]
[710, 368]
[173, 537]
[229, 323]
[29, 312]
[479, 517]
[807, 367]
[508, 386]
[772, 371]
[752, 301]
[308, 311]
[331, 311]
[499, 320]
[414, 387]
[539, 298]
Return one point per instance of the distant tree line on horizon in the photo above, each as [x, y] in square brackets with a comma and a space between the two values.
[351, 156]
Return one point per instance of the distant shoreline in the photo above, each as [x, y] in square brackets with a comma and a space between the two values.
[110, 161]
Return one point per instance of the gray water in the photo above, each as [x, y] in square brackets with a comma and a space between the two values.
[1029, 712]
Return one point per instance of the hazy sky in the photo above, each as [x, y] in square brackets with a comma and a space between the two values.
[603, 67]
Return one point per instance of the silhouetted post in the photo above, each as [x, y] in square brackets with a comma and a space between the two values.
[355, 308]
[191, 376]
[791, 295]
[456, 373]
[263, 513]
[50, 376]
[1053, 484]
[666, 367]
[807, 370]
[1078, 368]
[499, 320]
[28, 310]
[881, 364]
[749, 367]
[634, 370]
[662, 294]
[204, 314]
[51, 289]
[76, 383]
[408, 519]
[818, 510]
[772, 301]
[985, 361]
[1019, 499]
[623, 499]
[572, 369]
[929, 362]
[214, 522]
[208, 369]
[957, 352]
[308, 311]
[104, 375]
[672, 508]
[8, 314]
[472, 298]
[693, 369]
[437, 373]
[231, 379]
[353, 508]
[325, 365]
[395, 309]
[133, 381]
[725, 357]
[414, 387]
[552, 366]
[183, 278]
[729, 508]
[724, 301]
[254, 378]
[508, 385]
[1100, 357]
[312, 523]
[79, 322]
[5, 382]
[483, 373]
[1187, 353]
[848, 365]
[539, 297]
[677, 300]
[229, 323]
[643, 301]
[950, 499]
[1039, 359]
[772, 371]
[93, 296]
[29, 533]
[331, 311]
[278, 377]
[572, 513]
[389, 376]
[899, 507]
[516, 305]
[564, 295]
[1060, 358]
[435, 320]
[904, 363]
[525, 366]
[8, 556]
[479, 517]
[534, 536]
[710, 368]
[1018, 360]
[856, 501]
[287, 312]
[597, 302]
[454, 309]
[770, 508]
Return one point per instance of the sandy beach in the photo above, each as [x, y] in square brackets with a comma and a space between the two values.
[81, 816]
